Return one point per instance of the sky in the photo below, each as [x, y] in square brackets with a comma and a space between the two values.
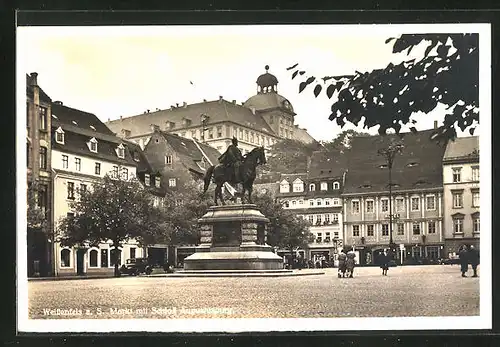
[123, 71]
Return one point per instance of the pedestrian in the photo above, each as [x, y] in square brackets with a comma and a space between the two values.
[350, 262]
[464, 261]
[342, 263]
[384, 262]
[473, 256]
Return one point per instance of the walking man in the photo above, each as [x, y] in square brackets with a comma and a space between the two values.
[464, 261]
[473, 259]
[384, 263]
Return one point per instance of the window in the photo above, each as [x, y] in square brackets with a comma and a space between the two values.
[132, 252]
[416, 228]
[65, 161]
[210, 133]
[335, 218]
[336, 234]
[458, 200]
[475, 199]
[43, 197]
[71, 190]
[475, 173]
[286, 203]
[400, 204]
[327, 237]
[294, 202]
[415, 204]
[157, 181]
[246, 135]
[319, 219]
[65, 258]
[431, 227]
[385, 205]
[271, 120]
[43, 118]
[193, 134]
[104, 258]
[458, 225]
[116, 256]
[312, 187]
[336, 185]
[183, 134]
[401, 229]
[355, 206]
[319, 237]
[172, 182]
[327, 218]
[457, 174]
[355, 230]
[60, 136]
[336, 202]
[251, 137]
[432, 252]
[147, 181]
[168, 159]
[120, 151]
[475, 224]
[43, 158]
[385, 229]
[324, 186]
[78, 164]
[310, 218]
[93, 145]
[369, 206]
[311, 202]
[327, 202]
[97, 168]
[370, 230]
[124, 174]
[241, 134]
[301, 202]
[298, 186]
[284, 187]
[93, 258]
[83, 188]
[114, 173]
[318, 202]
[430, 201]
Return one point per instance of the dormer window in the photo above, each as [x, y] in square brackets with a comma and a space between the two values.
[147, 181]
[312, 187]
[412, 164]
[336, 185]
[120, 151]
[284, 187]
[157, 182]
[92, 145]
[60, 136]
[298, 185]
[324, 186]
[383, 166]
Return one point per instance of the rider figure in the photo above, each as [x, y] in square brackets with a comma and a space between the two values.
[233, 157]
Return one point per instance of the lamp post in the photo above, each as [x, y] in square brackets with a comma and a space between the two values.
[389, 153]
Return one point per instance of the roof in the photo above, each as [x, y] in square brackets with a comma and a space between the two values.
[267, 79]
[292, 177]
[217, 111]
[267, 101]
[139, 156]
[42, 95]
[84, 120]
[462, 148]
[302, 135]
[324, 164]
[419, 166]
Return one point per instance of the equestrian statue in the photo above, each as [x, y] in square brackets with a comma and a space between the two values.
[235, 168]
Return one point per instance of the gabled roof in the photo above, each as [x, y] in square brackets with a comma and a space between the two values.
[65, 115]
[365, 174]
[42, 95]
[302, 135]
[462, 148]
[217, 111]
[292, 177]
[136, 153]
[325, 164]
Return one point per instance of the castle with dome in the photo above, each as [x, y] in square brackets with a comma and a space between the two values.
[262, 120]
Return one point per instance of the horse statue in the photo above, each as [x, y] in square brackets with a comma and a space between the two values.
[222, 174]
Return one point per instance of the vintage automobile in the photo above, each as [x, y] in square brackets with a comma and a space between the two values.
[136, 266]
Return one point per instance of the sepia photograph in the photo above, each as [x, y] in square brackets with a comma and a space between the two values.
[240, 178]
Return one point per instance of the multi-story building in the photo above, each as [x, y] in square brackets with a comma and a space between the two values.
[38, 160]
[417, 197]
[461, 193]
[83, 151]
[260, 121]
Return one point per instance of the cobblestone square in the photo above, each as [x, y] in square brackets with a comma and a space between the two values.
[406, 292]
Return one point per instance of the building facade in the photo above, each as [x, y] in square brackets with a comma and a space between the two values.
[38, 166]
[417, 198]
[84, 151]
[262, 120]
[461, 193]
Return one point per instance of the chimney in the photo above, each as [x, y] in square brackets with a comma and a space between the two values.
[154, 128]
[147, 110]
[253, 110]
[58, 103]
[172, 107]
[33, 79]
[435, 124]
[184, 104]
[204, 100]
[176, 104]
[220, 98]
[121, 117]
[234, 102]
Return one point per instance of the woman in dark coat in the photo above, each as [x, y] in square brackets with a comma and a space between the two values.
[384, 263]
[464, 260]
[342, 264]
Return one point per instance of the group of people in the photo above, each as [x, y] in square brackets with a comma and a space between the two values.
[346, 263]
[468, 255]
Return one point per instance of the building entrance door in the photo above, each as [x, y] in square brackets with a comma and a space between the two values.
[80, 259]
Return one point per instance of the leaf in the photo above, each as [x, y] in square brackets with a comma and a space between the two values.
[294, 74]
[389, 39]
[326, 78]
[317, 90]
[292, 67]
[330, 90]
[431, 46]
[471, 131]
[302, 86]
[310, 80]
[302, 72]
[413, 130]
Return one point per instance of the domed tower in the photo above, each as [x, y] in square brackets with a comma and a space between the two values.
[276, 110]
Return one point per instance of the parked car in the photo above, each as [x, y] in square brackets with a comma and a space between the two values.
[136, 266]
[450, 261]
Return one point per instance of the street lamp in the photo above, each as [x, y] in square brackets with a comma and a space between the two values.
[389, 154]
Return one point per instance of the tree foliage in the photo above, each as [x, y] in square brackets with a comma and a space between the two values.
[289, 156]
[286, 230]
[447, 73]
[342, 141]
[113, 209]
[36, 218]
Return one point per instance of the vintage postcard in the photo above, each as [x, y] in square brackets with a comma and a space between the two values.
[254, 178]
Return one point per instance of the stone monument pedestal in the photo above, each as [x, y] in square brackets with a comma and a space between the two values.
[233, 237]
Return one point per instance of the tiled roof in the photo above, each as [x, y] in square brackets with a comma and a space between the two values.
[267, 101]
[139, 156]
[292, 177]
[419, 166]
[302, 135]
[325, 164]
[462, 147]
[29, 91]
[83, 120]
[218, 111]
